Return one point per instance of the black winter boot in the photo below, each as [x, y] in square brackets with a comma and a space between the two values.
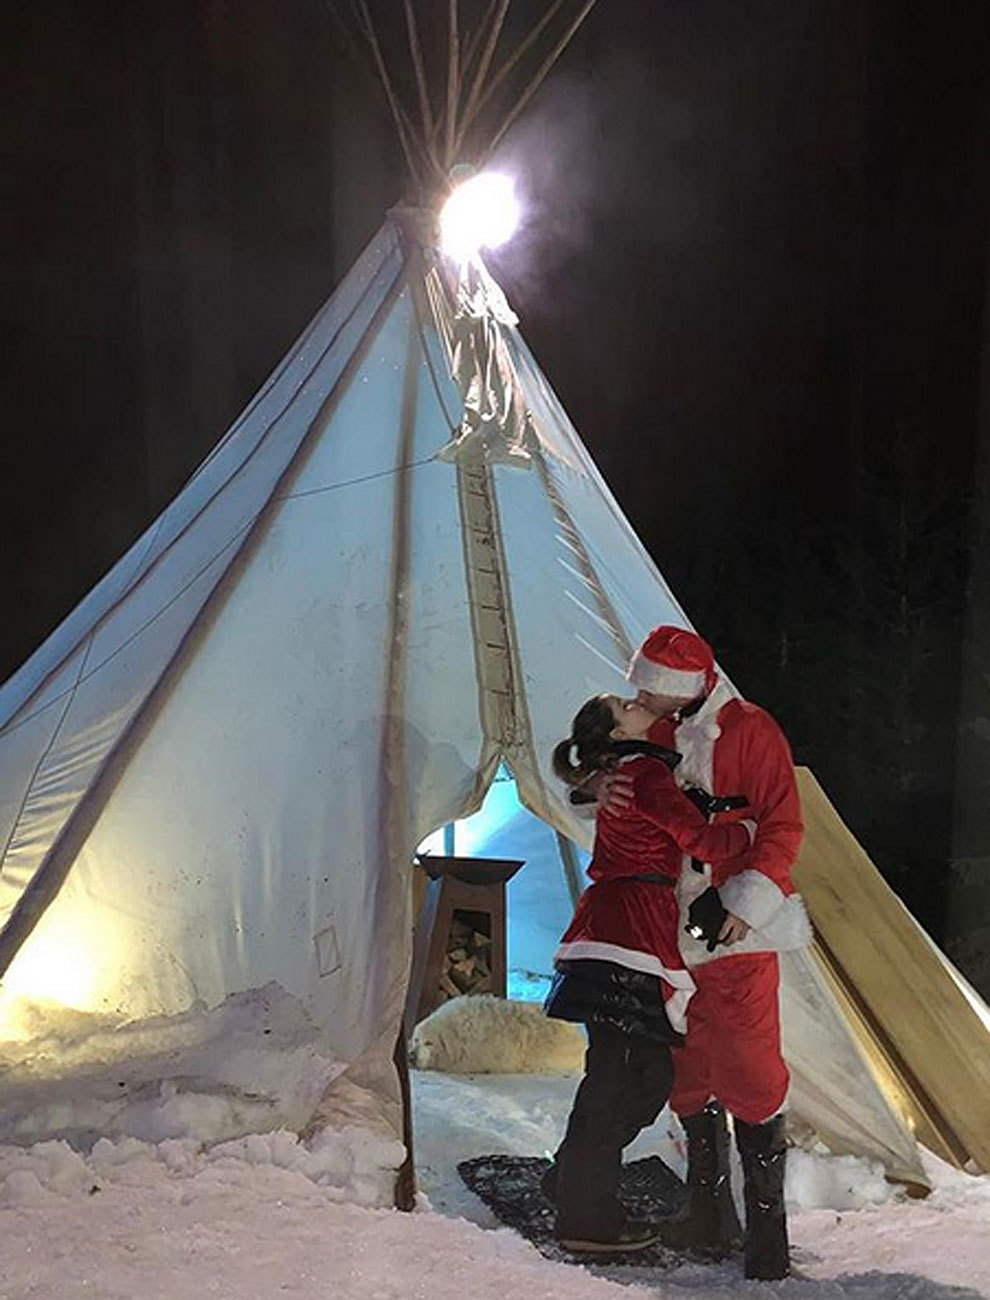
[710, 1225]
[631, 1235]
[764, 1154]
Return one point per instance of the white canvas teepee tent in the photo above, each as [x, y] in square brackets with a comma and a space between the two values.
[398, 569]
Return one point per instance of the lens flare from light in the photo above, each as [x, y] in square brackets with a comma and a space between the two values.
[58, 966]
[481, 213]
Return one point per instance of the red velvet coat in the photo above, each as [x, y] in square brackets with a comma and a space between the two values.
[633, 922]
[732, 747]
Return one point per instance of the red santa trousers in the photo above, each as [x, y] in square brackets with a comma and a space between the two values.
[732, 1052]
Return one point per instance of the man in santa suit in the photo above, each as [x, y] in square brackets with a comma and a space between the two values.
[735, 918]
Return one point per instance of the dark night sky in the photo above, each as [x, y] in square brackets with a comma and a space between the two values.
[754, 269]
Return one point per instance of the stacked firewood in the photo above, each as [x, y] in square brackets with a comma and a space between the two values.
[467, 962]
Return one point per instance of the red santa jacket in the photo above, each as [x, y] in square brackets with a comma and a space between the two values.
[634, 922]
[732, 747]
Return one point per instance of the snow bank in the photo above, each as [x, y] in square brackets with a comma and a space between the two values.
[348, 1165]
[85, 1094]
[253, 1063]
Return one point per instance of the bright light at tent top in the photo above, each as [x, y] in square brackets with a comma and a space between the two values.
[481, 213]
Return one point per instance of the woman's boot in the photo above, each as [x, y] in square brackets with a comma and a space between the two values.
[764, 1153]
[709, 1225]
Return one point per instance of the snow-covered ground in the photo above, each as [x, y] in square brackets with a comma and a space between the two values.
[852, 1233]
[157, 1162]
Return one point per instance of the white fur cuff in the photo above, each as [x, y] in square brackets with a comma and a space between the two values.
[752, 896]
[784, 930]
[789, 928]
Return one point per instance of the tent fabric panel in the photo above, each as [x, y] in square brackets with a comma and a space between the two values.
[441, 735]
[106, 680]
[23, 746]
[343, 455]
[622, 563]
[833, 1088]
[235, 504]
[231, 853]
[570, 537]
[86, 726]
[558, 621]
[928, 1021]
[307, 373]
[895, 1087]
[353, 301]
[126, 654]
[539, 902]
[441, 723]
[243, 844]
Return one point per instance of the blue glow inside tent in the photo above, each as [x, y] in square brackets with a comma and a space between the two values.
[538, 902]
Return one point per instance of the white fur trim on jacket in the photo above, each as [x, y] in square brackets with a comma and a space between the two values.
[676, 1008]
[786, 929]
[752, 896]
[632, 958]
[790, 927]
[695, 737]
[680, 980]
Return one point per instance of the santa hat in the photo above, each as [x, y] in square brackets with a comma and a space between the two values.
[673, 662]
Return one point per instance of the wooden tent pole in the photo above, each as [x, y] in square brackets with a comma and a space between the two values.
[484, 63]
[537, 80]
[416, 52]
[512, 60]
[404, 1192]
[569, 861]
[453, 83]
[468, 53]
[397, 114]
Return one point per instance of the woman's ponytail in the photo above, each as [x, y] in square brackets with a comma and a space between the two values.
[562, 765]
[590, 741]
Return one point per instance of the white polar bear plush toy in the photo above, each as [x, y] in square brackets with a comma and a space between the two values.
[483, 1034]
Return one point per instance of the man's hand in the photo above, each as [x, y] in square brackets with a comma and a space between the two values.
[615, 791]
[734, 928]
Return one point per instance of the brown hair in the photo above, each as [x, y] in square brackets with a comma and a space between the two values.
[590, 740]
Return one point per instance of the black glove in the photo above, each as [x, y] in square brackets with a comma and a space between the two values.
[706, 916]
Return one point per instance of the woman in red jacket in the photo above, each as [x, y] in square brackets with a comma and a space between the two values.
[618, 965]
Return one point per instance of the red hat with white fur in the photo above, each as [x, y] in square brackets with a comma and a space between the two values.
[673, 662]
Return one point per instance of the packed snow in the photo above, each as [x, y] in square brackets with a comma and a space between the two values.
[161, 1161]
